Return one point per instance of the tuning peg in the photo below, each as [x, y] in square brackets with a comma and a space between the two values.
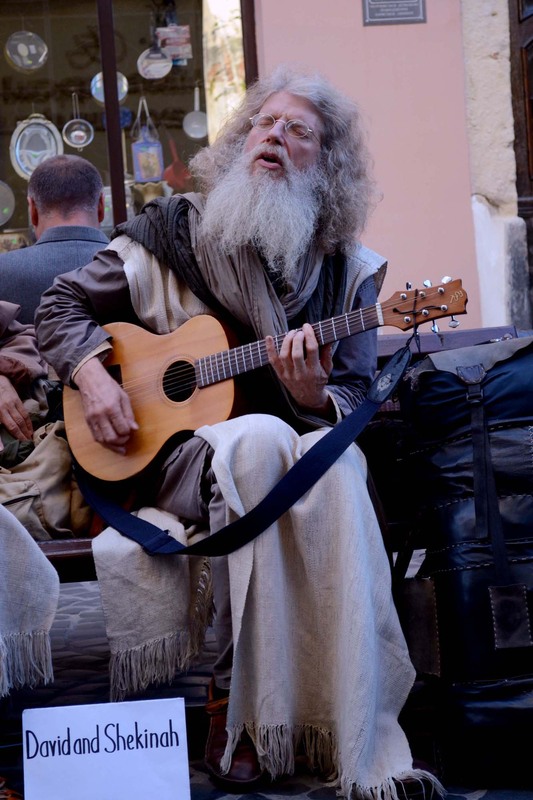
[435, 327]
[408, 285]
[427, 284]
[454, 323]
[446, 279]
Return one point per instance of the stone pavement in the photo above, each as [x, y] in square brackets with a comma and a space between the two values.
[81, 676]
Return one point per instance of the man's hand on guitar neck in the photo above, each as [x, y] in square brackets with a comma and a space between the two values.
[106, 406]
[304, 368]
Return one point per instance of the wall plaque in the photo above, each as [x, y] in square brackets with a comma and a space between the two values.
[393, 12]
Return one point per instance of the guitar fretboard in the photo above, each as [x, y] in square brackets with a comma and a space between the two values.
[229, 363]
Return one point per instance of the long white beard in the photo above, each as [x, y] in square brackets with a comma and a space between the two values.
[277, 214]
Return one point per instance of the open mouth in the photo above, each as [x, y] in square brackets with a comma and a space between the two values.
[269, 157]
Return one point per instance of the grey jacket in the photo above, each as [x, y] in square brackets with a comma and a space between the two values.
[26, 273]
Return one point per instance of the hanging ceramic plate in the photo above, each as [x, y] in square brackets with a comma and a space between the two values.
[154, 63]
[97, 87]
[7, 203]
[33, 140]
[25, 51]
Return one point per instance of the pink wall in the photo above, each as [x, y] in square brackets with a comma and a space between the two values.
[409, 83]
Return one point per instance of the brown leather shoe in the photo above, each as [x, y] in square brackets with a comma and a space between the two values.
[6, 793]
[245, 772]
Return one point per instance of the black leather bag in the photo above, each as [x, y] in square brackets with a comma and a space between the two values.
[467, 614]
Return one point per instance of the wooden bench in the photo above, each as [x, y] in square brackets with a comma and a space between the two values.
[73, 557]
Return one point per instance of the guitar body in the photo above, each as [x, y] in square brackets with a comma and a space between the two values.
[144, 364]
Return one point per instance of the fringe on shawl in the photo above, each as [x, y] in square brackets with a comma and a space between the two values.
[391, 790]
[25, 660]
[158, 660]
[277, 746]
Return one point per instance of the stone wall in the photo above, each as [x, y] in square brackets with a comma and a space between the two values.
[500, 234]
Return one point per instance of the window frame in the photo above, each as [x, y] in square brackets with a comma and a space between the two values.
[112, 108]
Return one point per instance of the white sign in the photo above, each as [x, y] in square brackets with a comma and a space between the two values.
[134, 749]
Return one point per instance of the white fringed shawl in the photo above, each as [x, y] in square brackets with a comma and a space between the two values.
[29, 596]
[320, 662]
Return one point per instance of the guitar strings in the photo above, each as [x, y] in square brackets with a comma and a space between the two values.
[177, 377]
[180, 373]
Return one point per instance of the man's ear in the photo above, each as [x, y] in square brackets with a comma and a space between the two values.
[34, 214]
[101, 208]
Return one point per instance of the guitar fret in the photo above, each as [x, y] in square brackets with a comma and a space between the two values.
[362, 319]
[210, 369]
[347, 325]
[200, 364]
[220, 366]
[257, 361]
[235, 353]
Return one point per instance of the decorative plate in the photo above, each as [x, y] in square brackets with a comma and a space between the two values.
[33, 140]
[154, 63]
[7, 203]
[97, 87]
[25, 51]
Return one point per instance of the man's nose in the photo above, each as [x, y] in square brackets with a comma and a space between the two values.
[277, 131]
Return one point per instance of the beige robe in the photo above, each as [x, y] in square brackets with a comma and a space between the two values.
[320, 662]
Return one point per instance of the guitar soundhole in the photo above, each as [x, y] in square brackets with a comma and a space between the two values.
[179, 381]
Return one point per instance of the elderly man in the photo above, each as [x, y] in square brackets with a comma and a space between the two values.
[311, 658]
[66, 207]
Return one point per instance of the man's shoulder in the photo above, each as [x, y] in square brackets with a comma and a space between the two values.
[362, 255]
[82, 234]
[67, 236]
[363, 263]
[17, 256]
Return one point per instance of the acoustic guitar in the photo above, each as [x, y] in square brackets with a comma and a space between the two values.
[182, 380]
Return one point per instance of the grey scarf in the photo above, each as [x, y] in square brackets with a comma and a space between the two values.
[168, 228]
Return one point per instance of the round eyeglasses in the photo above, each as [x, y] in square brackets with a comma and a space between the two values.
[293, 127]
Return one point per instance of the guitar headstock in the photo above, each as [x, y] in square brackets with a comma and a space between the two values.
[412, 307]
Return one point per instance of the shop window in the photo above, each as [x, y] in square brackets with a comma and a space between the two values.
[179, 68]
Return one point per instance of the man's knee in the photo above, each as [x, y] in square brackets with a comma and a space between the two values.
[271, 440]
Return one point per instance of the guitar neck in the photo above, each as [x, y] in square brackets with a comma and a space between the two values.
[229, 363]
